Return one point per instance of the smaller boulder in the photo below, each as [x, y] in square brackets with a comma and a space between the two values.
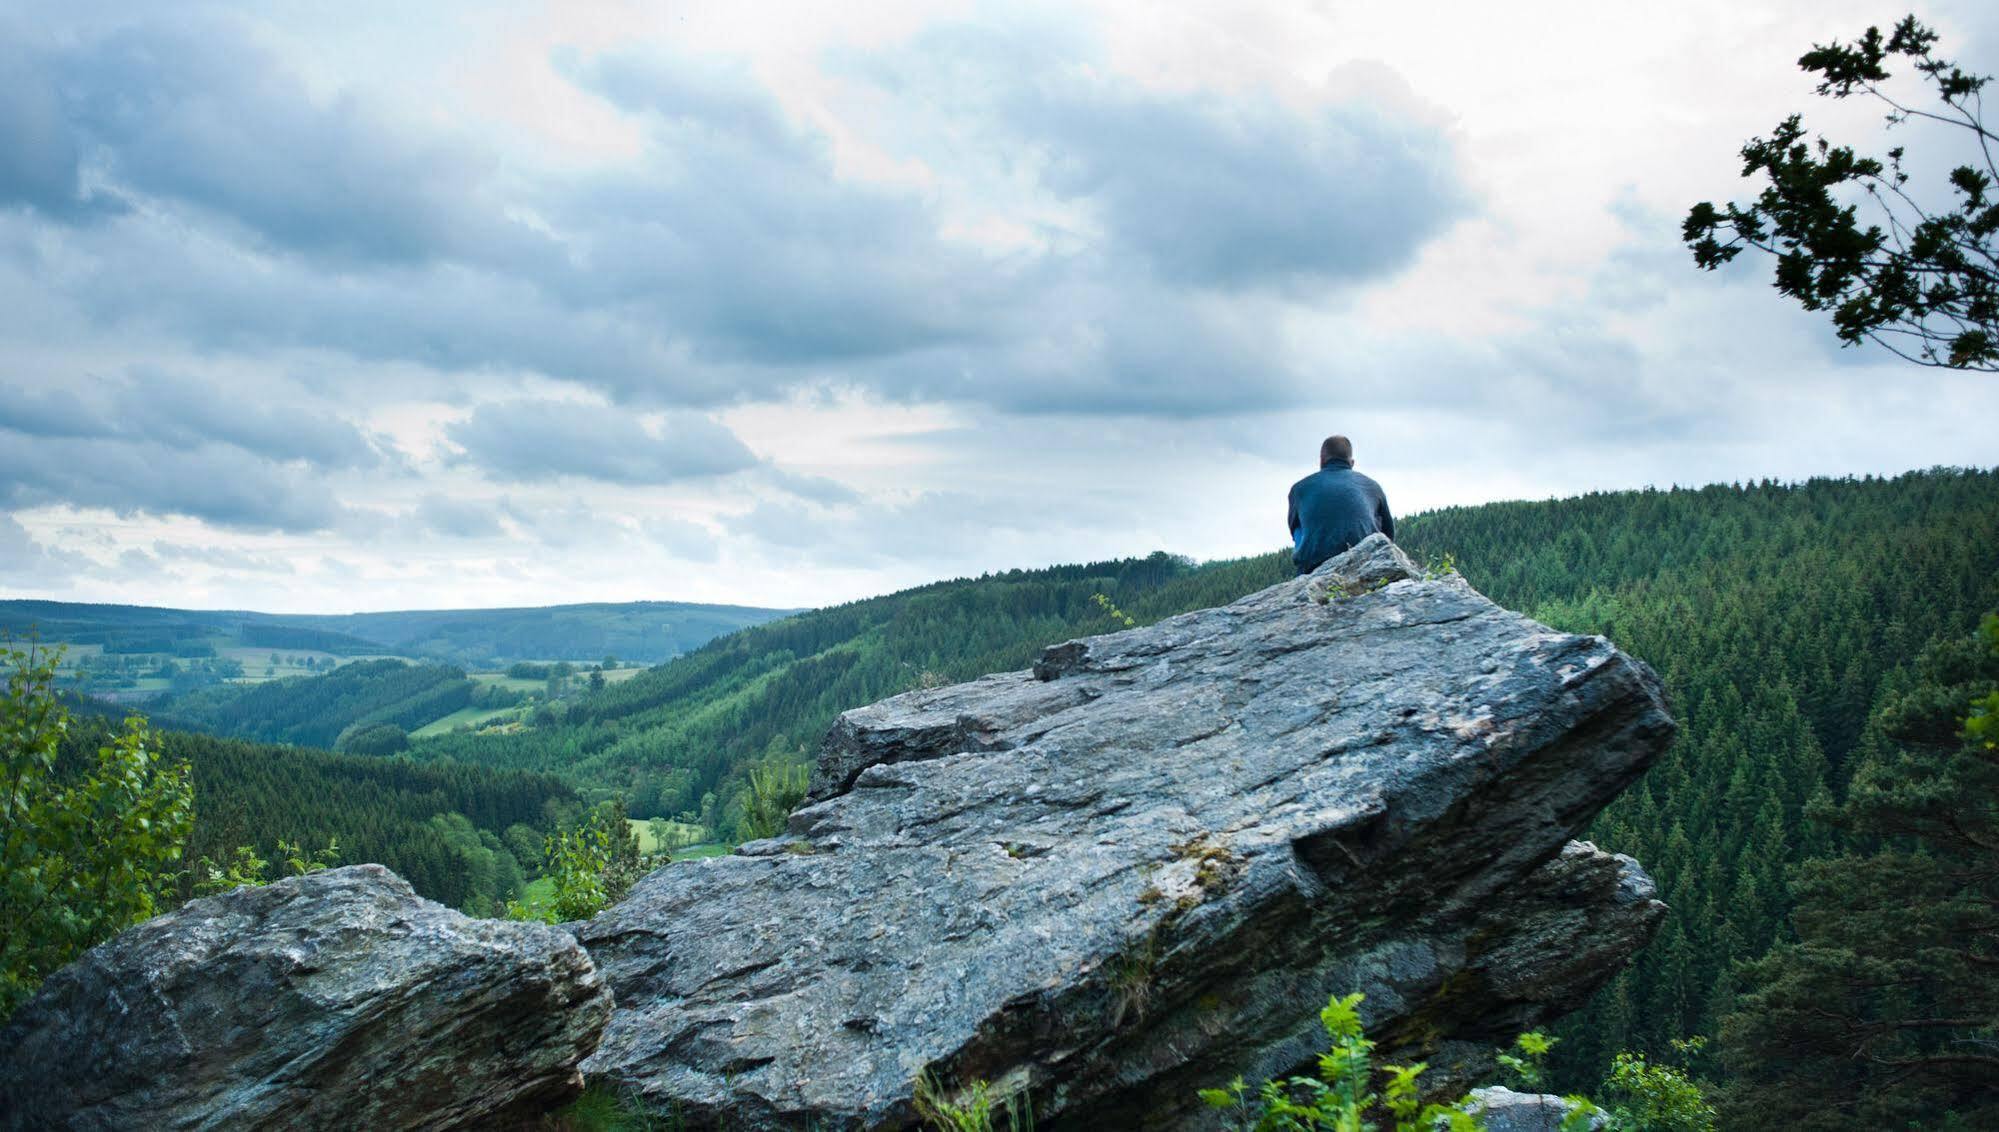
[1503, 1110]
[335, 1000]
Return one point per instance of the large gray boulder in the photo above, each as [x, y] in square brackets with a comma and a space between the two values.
[1141, 867]
[338, 1000]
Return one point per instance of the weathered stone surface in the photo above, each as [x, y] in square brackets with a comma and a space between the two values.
[1503, 1110]
[338, 1000]
[1141, 868]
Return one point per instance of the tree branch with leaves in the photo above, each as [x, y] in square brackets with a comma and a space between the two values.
[1921, 281]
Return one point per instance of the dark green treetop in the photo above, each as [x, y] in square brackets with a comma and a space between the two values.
[1885, 1011]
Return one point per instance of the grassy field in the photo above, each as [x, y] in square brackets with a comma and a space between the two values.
[688, 836]
[538, 894]
[578, 678]
[475, 717]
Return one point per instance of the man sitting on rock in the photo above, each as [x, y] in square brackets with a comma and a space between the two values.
[1334, 508]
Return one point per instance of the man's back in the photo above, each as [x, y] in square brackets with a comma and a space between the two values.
[1333, 509]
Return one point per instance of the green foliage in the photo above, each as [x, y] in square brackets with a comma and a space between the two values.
[1341, 1098]
[975, 1108]
[603, 1108]
[85, 850]
[591, 866]
[245, 869]
[1884, 1011]
[1920, 283]
[1645, 1097]
[774, 793]
[1655, 1098]
[1118, 615]
[1527, 1061]
[1981, 724]
[242, 868]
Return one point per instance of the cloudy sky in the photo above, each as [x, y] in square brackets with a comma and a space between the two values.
[323, 307]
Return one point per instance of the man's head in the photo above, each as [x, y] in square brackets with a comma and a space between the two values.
[1335, 449]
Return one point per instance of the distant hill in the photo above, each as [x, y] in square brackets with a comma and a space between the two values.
[139, 629]
[644, 631]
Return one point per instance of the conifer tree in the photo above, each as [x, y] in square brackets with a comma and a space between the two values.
[1885, 1011]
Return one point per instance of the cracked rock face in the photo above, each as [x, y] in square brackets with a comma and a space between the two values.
[1141, 867]
[337, 1000]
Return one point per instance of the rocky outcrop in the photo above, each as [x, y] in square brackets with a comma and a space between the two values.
[1501, 1109]
[1141, 867]
[337, 1000]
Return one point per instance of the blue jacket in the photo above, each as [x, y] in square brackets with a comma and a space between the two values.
[1331, 510]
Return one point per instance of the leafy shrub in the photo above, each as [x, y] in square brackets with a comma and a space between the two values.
[1656, 1098]
[1647, 1098]
[592, 866]
[1341, 1096]
[85, 851]
[972, 1109]
[245, 869]
[774, 793]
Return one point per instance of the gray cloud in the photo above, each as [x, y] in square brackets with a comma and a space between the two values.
[223, 558]
[567, 524]
[38, 152]
[817, 489]
[185, 413]
[1242, 191]
[194, 111]
[29, 564]
[737, 223]
[458, 518]
[216, 483]
[171, 445]
[682, 539]
[50, 412]
[531, 440]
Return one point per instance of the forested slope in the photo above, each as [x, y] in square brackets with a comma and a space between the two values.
[317, 710]
[1778, 616]
[443, 828]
